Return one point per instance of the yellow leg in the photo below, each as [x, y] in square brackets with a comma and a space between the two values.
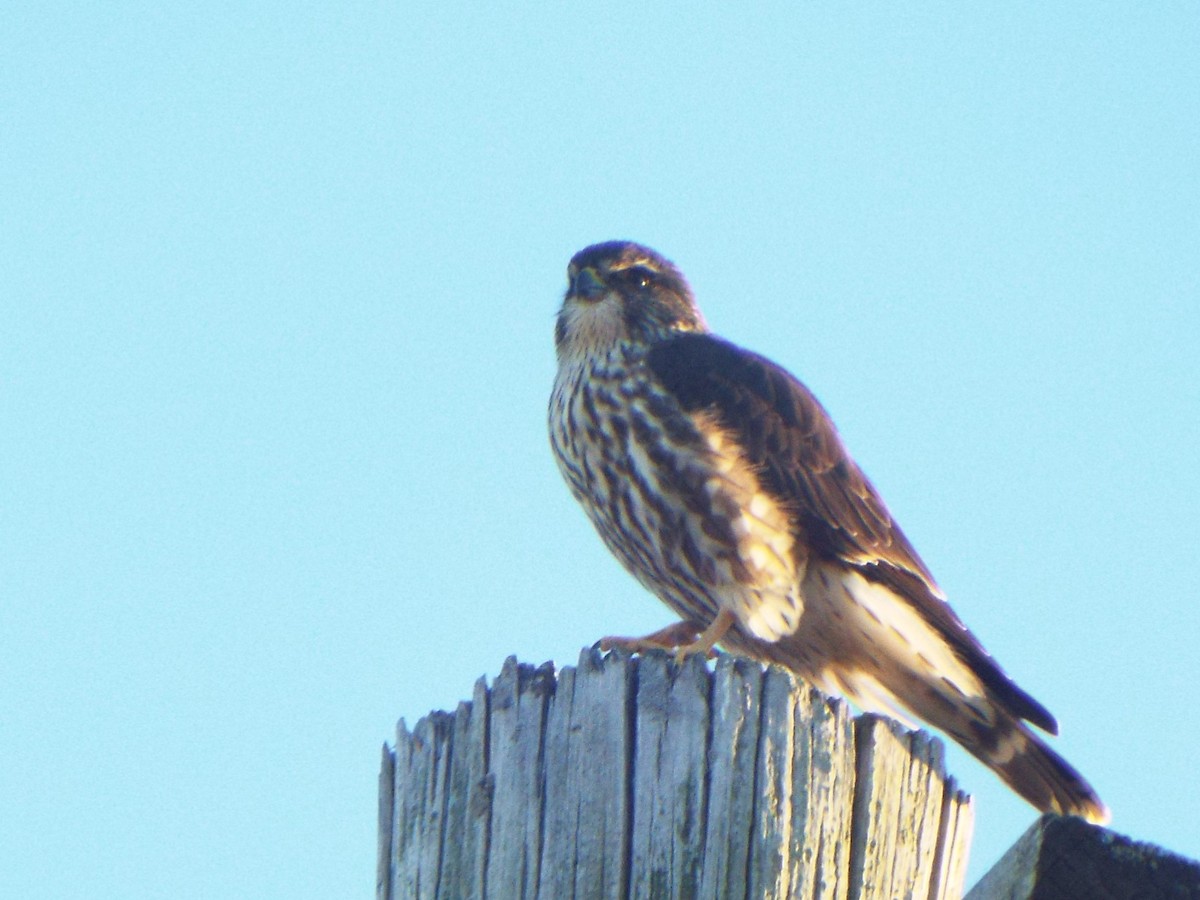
[713, 633]
[668, 638]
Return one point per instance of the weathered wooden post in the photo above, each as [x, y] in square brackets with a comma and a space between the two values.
[634, 777]
[1068, 859]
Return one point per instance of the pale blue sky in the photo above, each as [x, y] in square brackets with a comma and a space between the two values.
[277, 293]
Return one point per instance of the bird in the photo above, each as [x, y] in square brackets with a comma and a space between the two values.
[720, 482]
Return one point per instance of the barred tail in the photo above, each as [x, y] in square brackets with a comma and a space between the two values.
[1035, 771]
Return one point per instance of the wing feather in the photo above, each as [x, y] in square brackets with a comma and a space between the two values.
[786, 433]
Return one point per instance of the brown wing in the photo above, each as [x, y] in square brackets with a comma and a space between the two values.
[785, 432]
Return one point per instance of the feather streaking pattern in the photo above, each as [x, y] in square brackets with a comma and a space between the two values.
[721, 484]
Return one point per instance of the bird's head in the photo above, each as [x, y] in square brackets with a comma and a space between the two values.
[621, 291]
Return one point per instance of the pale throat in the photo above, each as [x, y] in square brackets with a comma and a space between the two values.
[592, 327]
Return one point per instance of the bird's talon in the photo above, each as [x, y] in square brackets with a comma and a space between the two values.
[682, 654]
[679, 634]
[707, 640]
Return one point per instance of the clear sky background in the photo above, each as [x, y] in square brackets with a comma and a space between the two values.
[277, 287]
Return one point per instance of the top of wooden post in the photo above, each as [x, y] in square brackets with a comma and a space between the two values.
[635, 777]
[1064, 858]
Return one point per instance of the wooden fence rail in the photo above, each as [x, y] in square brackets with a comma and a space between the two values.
[634, 777]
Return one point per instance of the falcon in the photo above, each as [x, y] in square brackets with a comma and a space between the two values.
[721, 484]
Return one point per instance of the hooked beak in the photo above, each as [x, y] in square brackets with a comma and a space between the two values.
[586, 285]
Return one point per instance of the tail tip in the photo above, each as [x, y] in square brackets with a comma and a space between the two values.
[1089, 808]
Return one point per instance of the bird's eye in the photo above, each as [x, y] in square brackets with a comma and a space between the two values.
[641, 276]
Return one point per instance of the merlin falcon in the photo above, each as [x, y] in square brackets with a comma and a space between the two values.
[721, 484]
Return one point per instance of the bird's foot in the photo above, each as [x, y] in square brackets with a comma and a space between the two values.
[669, 638]
[707, 639]
[685, 638]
